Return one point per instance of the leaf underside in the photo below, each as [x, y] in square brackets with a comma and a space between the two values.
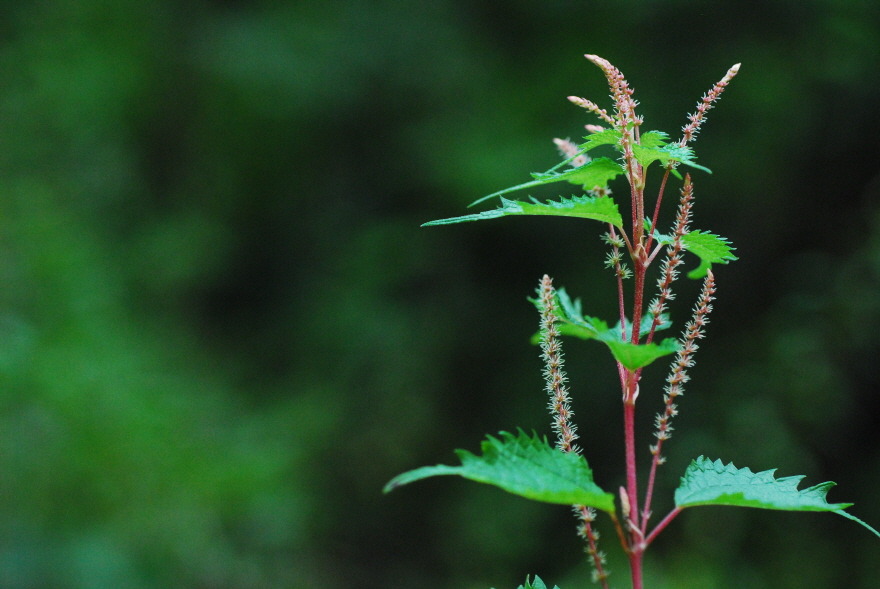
[526, 466]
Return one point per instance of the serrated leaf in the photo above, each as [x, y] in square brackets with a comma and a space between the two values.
[653, 147]
[526, 466]
[708, 482]
[653, 139]
[635, 356]
[596, 172]
[632, 356]
[537, 583]
[710, 248]
[603, 137]
[599, 208]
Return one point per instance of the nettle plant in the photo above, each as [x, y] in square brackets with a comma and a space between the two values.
[528, 465]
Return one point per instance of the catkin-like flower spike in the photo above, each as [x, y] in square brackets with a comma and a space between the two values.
[569, 149]
[684, 359]
[586, 515]
[673, 259]
[592, 107]
[560, 408]
[554, 375]
[620, 91]
[689, 131]
[626, 121]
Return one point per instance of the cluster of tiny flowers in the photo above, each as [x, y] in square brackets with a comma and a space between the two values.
[620, 91]
[586, 515]
[570, 150]
[673, 259]
[689, 131]
[614, 259]
[554, 376]
[593, 108]
[694, 330]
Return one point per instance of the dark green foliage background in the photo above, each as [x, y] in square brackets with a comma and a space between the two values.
[222, 329]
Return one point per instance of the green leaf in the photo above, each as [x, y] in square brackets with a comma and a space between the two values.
[537, 583]
[646, 155]
[707, 482]
[526, 466]
[632, 356]
[597, 172]
[604, 137]
[635, 356]
[599, 208]
[710, 248]
[654, 139]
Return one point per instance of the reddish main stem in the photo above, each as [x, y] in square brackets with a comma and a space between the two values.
[635, 565]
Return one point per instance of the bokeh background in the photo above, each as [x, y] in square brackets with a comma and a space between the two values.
[222, 329]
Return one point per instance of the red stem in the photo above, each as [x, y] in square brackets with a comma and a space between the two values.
[635, 565]
[657, 209]
[665, 522]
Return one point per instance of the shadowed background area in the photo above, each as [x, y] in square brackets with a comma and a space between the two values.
[222, 329]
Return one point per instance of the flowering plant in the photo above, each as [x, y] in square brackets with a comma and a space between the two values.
[528, 465]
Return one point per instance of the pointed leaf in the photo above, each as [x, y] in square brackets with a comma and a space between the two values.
[710, 248]
[666, 154]
[635, 356]
[707, 482]
[597, 172]
[526, 466]
[654, 139]
[599, 208]
[603, 137]
[536, 583]
[632, 356]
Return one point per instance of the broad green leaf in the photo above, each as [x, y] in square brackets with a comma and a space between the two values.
[710, 248]
[526, 466]
[666, 154]
[604, 137]
[597, 172]
[653, 139]
[635, 356]
[599, 208]
[707, 482]
[632, 356]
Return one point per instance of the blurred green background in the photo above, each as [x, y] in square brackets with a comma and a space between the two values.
[222, 329]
